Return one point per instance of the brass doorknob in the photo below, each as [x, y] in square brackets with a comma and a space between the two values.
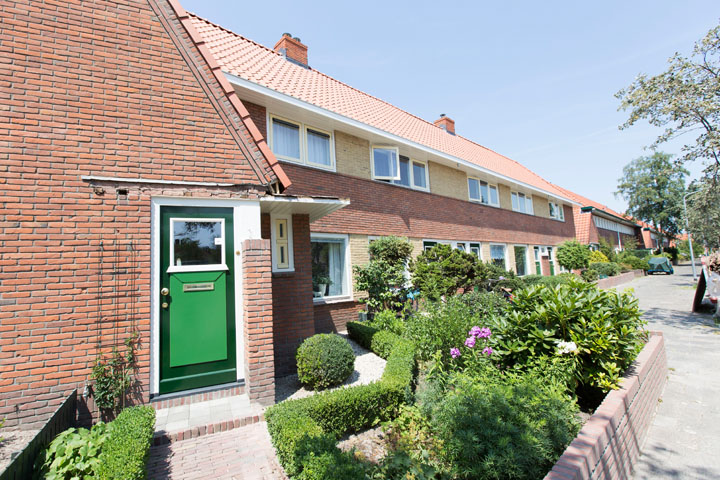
[164, 291]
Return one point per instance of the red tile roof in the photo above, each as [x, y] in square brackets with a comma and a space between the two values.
[255, 63]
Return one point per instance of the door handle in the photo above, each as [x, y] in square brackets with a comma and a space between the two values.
[164, 292]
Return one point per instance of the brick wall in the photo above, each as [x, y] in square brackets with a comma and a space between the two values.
[448, 181]
[292, 297]
[258, 321]
[609, 443]
[333, 317]
[96, 88]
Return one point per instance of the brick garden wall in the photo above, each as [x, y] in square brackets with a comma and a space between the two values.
[96, 88]
[609, 443]
[333, 317]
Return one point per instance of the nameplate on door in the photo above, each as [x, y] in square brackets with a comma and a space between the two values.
[198, 287]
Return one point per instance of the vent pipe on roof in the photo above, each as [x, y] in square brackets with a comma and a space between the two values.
[446, 123]
[292, 49]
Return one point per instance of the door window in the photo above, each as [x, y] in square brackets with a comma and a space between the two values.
[196, 244]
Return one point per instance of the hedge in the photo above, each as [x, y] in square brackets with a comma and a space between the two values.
[125, 451]
[304, 432]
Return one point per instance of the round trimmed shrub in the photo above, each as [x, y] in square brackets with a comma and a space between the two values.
[324, 360]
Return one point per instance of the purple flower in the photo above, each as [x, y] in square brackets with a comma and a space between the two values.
[470, 342]
[454, 352]
[487, 351]
[475, 331]
[484, 332]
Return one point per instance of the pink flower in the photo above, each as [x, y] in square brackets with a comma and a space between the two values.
[475, 331]
[454, 352]
[484, 333]
[487, 351]
[470, 342]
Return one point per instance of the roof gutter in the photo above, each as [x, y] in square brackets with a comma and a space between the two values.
[596, 210]
[241, 82]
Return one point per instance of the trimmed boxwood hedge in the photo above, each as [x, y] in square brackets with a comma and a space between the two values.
[304, 432]
[324, 360]
[125, 451]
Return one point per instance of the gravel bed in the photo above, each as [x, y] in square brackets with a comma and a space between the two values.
[12, 443]
[369, 445]
[368, 368]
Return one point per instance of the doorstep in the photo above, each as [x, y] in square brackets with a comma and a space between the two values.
[181, 422]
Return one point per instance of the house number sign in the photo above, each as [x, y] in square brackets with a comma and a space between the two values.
[198, 287]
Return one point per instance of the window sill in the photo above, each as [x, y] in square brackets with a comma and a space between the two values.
[389, 182]
[309, 165]
[331, 300]
[478, 202]
[283, 273]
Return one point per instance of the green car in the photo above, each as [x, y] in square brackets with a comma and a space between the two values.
[660, 264]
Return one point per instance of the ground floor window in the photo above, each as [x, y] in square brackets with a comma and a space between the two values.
[497, 255]
[521, 267]
[330, 265]
[468, 247]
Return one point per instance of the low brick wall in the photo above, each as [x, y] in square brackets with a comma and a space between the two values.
[611, 282]
[609, 443]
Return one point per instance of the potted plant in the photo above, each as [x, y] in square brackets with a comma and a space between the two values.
[321, 281]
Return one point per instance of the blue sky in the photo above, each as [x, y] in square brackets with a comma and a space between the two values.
[531, 80]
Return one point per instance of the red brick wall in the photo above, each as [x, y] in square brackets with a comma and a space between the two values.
[609, 443]
[258, 321]
[333, 317]
[94, 88]
[292, 297]
[612, 237]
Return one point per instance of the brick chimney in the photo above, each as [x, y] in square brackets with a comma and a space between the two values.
[446, 123]
[292, 49]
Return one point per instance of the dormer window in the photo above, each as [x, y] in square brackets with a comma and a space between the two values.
[556, 211]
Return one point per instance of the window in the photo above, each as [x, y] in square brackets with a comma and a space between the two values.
[521, 266]
[475, 250]
[386, 163]
[196, 245]
[468, 247]
[556, 211]
[330, 265]
[300, 143]
[483, 192]
[522, 203]
[413, 174]
[282, 250]
[497, 255]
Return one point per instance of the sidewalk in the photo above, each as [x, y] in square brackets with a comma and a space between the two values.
[684, 439]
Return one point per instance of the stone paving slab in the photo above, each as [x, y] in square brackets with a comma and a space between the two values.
[184, 417]
[241, 454]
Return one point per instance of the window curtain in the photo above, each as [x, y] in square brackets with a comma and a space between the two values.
[318, 148]
[336, 254]
[286, 139]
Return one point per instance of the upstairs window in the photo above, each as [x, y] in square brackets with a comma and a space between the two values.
[386, 163]
[296, 142]
[522, 203]
[413, 174]
[556, 211]
[483, 192]
[406, 172]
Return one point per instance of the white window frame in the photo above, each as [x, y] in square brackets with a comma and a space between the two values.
[527, 201]
[527, 258]
[303, 132]
[348, 267]
[411, 174]
[273, 237]
[172, 268]
[454, 244]
[372, 161]
[505, 249]
[489, 185]
[558, 208]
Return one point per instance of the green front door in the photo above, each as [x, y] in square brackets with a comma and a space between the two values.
[197, 307]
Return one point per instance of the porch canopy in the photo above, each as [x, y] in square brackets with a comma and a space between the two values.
[315, 207]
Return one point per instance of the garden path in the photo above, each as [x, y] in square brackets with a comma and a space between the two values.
[684, 438]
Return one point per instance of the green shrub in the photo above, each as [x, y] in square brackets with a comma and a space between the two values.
[324, 360]
[388, 320]
[125, 451]
[331, 464]
[483, 304]
[635, 263]
[493, 277]
[609, 269]
[73, 453]
[383, 278]
[304, 431]
[443, 270]
[607, 249]
[573, 255]
[589, 275]
[641, 253]
[495, 429]
[597, 256]
[606, 327]
[549, 281]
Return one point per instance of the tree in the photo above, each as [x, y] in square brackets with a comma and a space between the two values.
[683, 99]
[383, 278]
[444, 270]
[703, 211]
[653, 187]
[573, 255]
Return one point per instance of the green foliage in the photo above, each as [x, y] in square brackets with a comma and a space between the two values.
[654, 187]
[703, 215]
[607, 249]
[499, 428]
[324, 360]
[589, 275]
[388, 320]
[399, 465]
[549, 281]
[606, 326]
[608, 269]
[492, 277]
[684, 246]
[597, 256]
[325, 464]
[573, 255]
[114, 376]
[74, 453]
[304, 431]
[383, 278]
[125, 452]
[411, 432]
[634, 262]
[443, 270]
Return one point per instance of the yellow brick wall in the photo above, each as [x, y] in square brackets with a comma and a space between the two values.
[448, 181]
[417, 244]
[358, 256]
[541, 207]
[505, 200]
[352, 155]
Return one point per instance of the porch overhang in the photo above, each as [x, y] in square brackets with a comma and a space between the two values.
[315, 207]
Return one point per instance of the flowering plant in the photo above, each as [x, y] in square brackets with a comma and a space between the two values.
[477, 350]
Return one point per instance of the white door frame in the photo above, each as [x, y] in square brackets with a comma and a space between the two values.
[246, 225]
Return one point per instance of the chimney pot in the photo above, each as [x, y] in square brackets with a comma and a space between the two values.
[293, 49]
[446, 123]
